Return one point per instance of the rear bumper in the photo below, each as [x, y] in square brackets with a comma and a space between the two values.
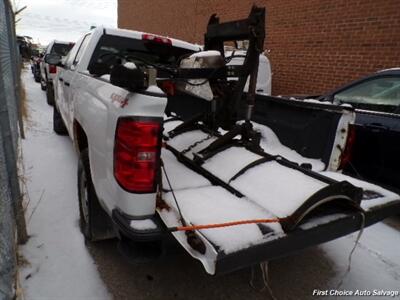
[300, 239]
[122, 225]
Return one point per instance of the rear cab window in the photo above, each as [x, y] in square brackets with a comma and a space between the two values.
[61, 49]
[110, 49]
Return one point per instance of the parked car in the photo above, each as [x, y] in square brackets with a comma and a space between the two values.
[48, 72]
[376, 132]
[25, 46]
[111, 98]
[35, 67]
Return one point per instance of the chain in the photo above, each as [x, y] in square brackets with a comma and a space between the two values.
[196, 144]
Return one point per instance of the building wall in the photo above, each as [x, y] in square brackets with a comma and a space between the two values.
[314, 45]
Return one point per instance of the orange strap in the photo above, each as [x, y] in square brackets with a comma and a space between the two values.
[228, 224]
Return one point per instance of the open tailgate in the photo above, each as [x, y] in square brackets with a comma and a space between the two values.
[238, 184]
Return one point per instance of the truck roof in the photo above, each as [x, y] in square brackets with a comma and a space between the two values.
[60, 42]
[138, 35]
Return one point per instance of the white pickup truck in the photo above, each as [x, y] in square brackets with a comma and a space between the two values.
[48, 72]
[150, 166]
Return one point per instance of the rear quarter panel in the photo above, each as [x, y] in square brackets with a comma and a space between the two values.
[97, 107]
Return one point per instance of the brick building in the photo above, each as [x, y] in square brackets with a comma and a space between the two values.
[315, 45]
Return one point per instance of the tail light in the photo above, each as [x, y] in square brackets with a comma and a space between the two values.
[137, 154]
[348, 150]
[52, 69]
[168, 87]
[156, 39]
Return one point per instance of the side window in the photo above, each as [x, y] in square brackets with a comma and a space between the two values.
[81, 49]
[71, 55]
[378, 91]
[48, 48]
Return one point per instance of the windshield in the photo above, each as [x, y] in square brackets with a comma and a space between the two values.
[384, 92]
[61, 49]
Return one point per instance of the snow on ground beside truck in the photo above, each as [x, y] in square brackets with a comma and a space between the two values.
[59, 264]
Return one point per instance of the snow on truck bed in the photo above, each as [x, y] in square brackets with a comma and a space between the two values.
[271, 190]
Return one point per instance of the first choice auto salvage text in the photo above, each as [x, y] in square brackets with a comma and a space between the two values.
[344, 293]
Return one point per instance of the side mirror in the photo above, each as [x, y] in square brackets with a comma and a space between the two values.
[132, 79]
[53, 59]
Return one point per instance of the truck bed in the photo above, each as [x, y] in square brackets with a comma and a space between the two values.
[266, 190]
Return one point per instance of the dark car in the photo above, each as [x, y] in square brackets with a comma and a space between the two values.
[35, 66]
[375, 136]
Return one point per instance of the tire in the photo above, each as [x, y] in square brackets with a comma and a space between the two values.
[94, 222]
[50, 94]
[42, 85]
[58, 123]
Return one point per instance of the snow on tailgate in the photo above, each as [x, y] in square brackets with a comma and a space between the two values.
[270, 190]
[213, 204]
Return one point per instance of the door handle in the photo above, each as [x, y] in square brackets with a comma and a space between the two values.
[66, 83]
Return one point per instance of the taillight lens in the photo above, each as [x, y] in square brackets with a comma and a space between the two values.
[348, 150]
[52, 69]
[168, 87]
[137, 154]
[156, 39]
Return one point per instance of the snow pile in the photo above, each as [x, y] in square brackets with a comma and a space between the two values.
[316, 221]
[168, 126]
[227, 163]
[278, 189]
[180, 176]
[105, 77]
[271, 144]
[183, 141]
[145, 224]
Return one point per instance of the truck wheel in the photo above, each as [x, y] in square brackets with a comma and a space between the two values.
[58, 123]
[50, 94]
[42, 85]
[94, 222]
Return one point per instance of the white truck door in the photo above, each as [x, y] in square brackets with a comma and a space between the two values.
[62, 83]
[65, 79]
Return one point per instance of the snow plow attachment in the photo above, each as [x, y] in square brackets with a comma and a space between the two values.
[254, 217]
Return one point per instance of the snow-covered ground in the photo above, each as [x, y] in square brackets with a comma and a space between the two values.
[60, 266]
